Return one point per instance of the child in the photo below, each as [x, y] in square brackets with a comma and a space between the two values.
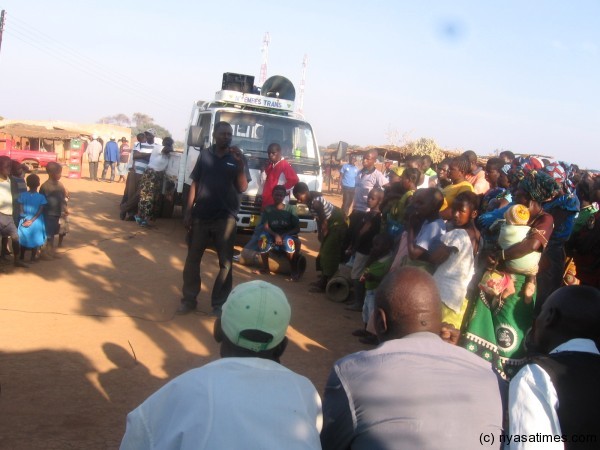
[513, 231]
[332, 230]
[55, 194]
[281, 229]
[455, 258]
[32, 230]
[7, 223]
[360, 245]
[425, 227]
[457, 171]
[124, 152]
[394, 211]
[442, 174]
[378, 265]
[18, 186]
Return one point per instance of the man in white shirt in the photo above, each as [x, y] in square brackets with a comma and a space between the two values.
[93, 152]
[553, 401]
[244, 400]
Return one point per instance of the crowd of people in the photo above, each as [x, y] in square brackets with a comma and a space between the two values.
[451, 269]
[479, 287]
[498, 238]
[32, 216]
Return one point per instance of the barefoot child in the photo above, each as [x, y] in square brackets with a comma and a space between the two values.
[425, 228]
[378, 265]
[332, 230]
[457, 171]
[513, 231]
[455, 258]
[394, 212]
[32, 230]
[361, 243]
[55, 194]
[280, 233]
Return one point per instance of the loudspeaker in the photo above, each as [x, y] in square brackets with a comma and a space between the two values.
[278, 87]
[238, 82]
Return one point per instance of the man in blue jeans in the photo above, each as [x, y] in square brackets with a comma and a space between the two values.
[111, 156]
[218, 179]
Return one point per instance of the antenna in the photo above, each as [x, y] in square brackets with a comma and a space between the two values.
[265, 59]
[302, 85]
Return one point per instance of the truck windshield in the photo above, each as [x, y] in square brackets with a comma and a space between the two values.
[254, 132]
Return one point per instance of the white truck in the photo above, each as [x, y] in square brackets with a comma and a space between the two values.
[258, 118]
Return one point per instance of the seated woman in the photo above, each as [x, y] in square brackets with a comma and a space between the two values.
[280, 233]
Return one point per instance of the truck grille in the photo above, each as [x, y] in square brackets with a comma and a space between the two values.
[249, 205]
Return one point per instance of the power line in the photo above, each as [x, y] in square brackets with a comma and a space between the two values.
[124, 83]
[44, 37]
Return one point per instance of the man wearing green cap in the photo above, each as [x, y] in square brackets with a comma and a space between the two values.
[244, 400]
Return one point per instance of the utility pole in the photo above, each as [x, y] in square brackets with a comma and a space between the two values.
[1, 27]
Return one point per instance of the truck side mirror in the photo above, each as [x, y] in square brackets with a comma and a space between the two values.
[194, 138]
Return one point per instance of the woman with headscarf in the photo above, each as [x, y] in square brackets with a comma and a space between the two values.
[563, 206]
[498, 322]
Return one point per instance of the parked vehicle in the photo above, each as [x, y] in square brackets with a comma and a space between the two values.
[31, 158]
[258, 119]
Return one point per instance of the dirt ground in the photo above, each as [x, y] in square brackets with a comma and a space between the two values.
[86, 338]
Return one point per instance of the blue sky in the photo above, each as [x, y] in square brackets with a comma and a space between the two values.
[517, 75]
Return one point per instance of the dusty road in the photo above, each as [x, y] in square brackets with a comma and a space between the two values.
[86, 338]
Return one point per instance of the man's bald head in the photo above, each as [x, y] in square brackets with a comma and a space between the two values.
[407, 302]
[570, 312]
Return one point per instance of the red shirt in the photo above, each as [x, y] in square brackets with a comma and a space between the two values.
[279, 173]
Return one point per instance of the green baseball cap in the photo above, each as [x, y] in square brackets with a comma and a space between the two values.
[256, 306]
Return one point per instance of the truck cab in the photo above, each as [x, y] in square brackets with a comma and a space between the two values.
[257, 121]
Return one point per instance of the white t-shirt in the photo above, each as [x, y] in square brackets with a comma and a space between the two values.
[533, 401]
[6, 200]
[231, 403]
[453, 276]
[158, 160]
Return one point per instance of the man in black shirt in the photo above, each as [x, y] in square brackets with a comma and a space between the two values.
[218, 179]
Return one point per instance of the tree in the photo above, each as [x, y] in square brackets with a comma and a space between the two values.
[140, 121]
[118, 119]
[143, 122]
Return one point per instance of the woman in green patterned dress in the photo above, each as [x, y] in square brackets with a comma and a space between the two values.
[497, 327]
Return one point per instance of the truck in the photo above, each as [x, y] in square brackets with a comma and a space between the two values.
[258, 117]
[33, 159]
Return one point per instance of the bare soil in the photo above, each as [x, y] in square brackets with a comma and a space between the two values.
[86, 338]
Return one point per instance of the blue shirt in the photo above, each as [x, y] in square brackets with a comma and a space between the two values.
[348, 173]
[111, 152]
